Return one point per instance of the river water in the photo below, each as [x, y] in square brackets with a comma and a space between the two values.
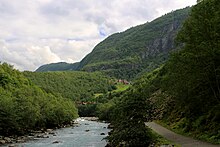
[85, 134]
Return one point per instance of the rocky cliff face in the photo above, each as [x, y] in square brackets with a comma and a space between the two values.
[164, 43]
[141, 48]
[144, 47]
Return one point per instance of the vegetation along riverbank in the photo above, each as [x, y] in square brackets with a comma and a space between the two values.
[166, 70]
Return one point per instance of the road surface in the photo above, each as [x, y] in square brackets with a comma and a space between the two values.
[176, 138]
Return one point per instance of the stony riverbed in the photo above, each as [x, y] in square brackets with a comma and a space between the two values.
[87, 133]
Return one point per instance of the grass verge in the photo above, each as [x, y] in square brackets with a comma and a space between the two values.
[203, 136]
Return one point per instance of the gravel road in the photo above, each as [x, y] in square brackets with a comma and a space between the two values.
[176, 138]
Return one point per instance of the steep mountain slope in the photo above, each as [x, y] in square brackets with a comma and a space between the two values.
[125, 54]
[60, 66]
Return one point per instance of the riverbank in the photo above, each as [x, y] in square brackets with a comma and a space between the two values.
[33, 134]
[84, 132]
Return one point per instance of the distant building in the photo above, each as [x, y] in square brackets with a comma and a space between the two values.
[123, 82]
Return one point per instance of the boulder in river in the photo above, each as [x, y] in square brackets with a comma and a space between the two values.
[110, 126]
[42, 136]
[2, 141]
[57, 141]
[52, 133]
[20, 141]
[12, 145]
[8, 140]
[49, 130]
[39, 136]
[102, 134]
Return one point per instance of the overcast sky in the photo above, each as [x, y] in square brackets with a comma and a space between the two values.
[37, 32]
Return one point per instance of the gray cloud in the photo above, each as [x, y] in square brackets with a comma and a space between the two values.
[43, 31]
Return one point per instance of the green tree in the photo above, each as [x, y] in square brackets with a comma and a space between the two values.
[24, 106]
[194, 72]
[129, 119]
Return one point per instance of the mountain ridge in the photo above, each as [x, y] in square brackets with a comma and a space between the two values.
[59, 66]
[138, 49]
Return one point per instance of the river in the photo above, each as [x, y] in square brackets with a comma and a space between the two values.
[85, 134]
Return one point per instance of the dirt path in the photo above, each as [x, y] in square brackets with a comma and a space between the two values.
[176, 138]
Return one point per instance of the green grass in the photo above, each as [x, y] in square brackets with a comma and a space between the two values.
[97, 94]
[203, 136]
[121, 87]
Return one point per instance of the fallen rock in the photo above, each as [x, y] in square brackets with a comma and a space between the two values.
[42, 136]
[21, 137]
[31, 134]
[110, 126]
[52, 133]
[37, 131]
[45, 136]
[49, 130]
[68, 125]
[2, 141]
[90, 118]
[56, 142]
[20, 141]
[74, 122]
[39, 136]
[8, 140]
[12, 145]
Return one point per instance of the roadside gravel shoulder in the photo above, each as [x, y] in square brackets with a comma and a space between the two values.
[176, 138]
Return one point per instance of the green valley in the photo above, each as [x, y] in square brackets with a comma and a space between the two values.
[167, 71]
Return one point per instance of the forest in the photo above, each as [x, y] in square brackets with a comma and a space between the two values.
[77, 86]
[182, 94]
[24, 106]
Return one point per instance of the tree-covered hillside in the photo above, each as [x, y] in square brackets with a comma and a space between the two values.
[183, 93]
[61, 66]
[193, 74]
[126, 54]
[24, 106]
[78, 86]
[143, 47]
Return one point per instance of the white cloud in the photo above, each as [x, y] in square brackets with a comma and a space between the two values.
[44, 31]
